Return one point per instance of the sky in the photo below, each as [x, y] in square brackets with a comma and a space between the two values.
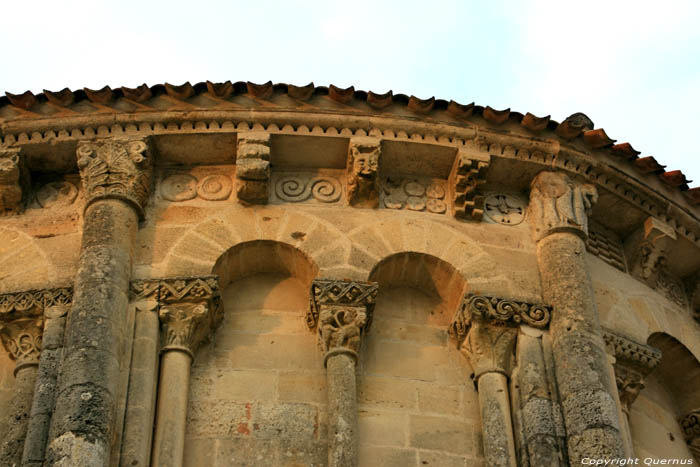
[632, 66]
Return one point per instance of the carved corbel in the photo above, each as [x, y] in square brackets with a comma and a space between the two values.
[466, 178]
[690, 423]
[362, 169]
[485, 329]
[253, 167]
[342, 313]
[14, 181]
[647, 250]
[633, 362]
[189, 310]
[560, 204]
[693, 289]
[116, 168]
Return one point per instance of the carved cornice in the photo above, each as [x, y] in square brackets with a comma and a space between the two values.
[633, 362]
[690, 423]
[14, 181]
[342, 312]
[22, 319]
[116, 168]
[362, 168]
[559, 204]
[189, 308]
[253, 167]
[465, 181]
[498, 310]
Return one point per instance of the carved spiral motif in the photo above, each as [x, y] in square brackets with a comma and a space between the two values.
[55, 194]
[296, 189]
[179, 187]
[691, 425]
[215, 187]
[536, 315]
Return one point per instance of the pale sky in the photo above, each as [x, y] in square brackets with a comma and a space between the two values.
[632, 66]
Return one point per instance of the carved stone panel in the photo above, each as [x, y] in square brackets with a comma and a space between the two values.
[14, 181]
[504, 208]
[362, 172]
[414, 194]
[57, 194]
[318, 187]
[181, 187]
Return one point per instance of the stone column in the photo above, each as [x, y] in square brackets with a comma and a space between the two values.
[485, 329]
[57, 303]
[189, 309]
[558, 215]
[116, 175]
[21, 323]
[690, 423]
[632, 363]
[342, 313]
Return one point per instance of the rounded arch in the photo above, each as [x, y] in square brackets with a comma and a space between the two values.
[422, 271]
[264, 256]
[680, 369]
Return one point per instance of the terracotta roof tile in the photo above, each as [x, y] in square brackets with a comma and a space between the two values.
[625, 150]
[675, 178]
[597, 138]
[693, 196]
[62, 98]
[101, 96]
[534, 123]
[261, 91]
[344, 96]
[380, 101]
[221, 90]
[181, 92]
[648, 165]
[25, 101]
[302, 93]
[496, 116]
[139, 94]
[420, 106]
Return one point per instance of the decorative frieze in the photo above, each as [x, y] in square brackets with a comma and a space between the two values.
[253, 167]
[301, 187]
[690, 423]
[633, 362]
[558, 203]
[414, 194]
[362, 169]
[116, 168]
[342, 312]
[466, 179]
[14, 181]
[184, 187]
[647, 251]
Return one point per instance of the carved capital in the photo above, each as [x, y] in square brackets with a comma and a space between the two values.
[116, 168]
[466, 179]
[253, 167]
[485, 329]
[188, 308]
[690, 423]
[22, 319]
[362, 169]
[633, 362]
[14, 181]
[342, 312]
[560, 204]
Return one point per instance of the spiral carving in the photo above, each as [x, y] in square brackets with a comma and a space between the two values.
[297, 189]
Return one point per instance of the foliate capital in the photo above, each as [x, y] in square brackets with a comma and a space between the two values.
[362, 171]
[189, 309]
[342, 312]
[116, 168]
[485, 329]
[633, 362]
[14, 181]
[560, 204]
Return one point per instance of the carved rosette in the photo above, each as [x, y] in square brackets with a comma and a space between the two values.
[485, 329]
[690, 423]
[14, 181]
[466, 179]
[22, 320]
[116, 168]
[253, 167]
[633, 362]
[362, 170]
[342, 312]
[189, 309]
[559, 204]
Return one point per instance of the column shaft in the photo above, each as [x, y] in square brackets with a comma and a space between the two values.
[496, 422]
[171, 415]
[342, 410]
[45, 388]
[584, 377]
[83, 425]
[13, 444]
